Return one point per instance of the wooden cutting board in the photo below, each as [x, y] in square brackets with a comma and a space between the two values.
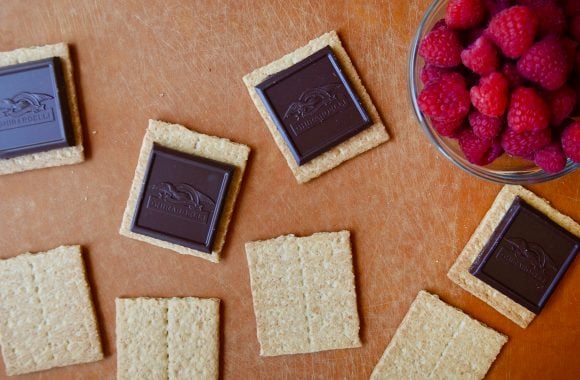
[409, 209]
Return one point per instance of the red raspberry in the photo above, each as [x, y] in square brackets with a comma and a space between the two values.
[562, 103]
[575, 28]
[571, 141]
[510, 72]
[477, 150]
[481, 57]
[551, 17]
[445, 99]
[572, 7]
[496, 6]
[485, 127]
[546, 63]
[550, 158]
[527, 111]
[441, 24]
[526, 143]
[441, 47]
[464, 14]
[513, 30]
[431, 73]
[447, 128]
[490, 97]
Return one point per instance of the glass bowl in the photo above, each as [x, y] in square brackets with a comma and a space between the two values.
[506, 169]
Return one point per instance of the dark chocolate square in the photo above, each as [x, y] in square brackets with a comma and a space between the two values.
[526, 256]
[182, 198]
[313, 105]
[34, 113]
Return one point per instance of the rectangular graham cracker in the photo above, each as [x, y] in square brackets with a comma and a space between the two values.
[367, 139]
[167, 338]
[438, 341]
[55, 157]
[46, 314]
[304, 293]
[179, 138]
[459, 272]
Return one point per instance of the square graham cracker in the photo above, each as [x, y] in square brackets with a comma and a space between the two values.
[459, 272]
[179, 138]
[47, 318]
[55, 157]
[365, 140]
[304, 293]
[167, 338]
[438, 341]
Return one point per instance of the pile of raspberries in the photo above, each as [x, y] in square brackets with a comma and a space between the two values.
[504, 76]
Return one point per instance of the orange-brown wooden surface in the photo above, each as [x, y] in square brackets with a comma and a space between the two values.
[410, 211]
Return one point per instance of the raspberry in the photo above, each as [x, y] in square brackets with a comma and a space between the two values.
[441, 47]
[490, 97]
[485, 127]
[562, 103]
[513, 30]
[526, 143]
[439, 25]
[571, 141]
[481, 57]
[575, 28]
[550, 158]
[551, 18]
[546, 63]
[510, 72]
[447, 128]
[572, 7]
[496, 6]
[431, 73]
[475, 149]
[464, 14]
[527, 111]
[445, 99]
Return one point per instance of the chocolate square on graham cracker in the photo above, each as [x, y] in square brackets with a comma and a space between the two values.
[182, 181]
[526, 256]
[313, 105]
[302, 112]
[520, 264]
[182, 198]
[34, 115]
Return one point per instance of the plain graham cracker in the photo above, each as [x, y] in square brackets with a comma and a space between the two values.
[167, 338]
[365, 140]
[304, 295]
[55, 157]
[46, 314]
[459, 272]
[179, 138]
[438, 341]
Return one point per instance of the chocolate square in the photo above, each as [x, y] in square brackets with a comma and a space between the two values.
[34, 113]
[182, 198]
[526, 256]
[313, 105]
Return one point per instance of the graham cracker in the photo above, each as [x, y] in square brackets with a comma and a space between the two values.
[46, 314]
[179, 138]
[304, 293]
[167, 338]
[438, 341]
[459, 272]
[367, 139]
[55, 157]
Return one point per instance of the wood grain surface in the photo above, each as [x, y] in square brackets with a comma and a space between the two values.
[409, 209]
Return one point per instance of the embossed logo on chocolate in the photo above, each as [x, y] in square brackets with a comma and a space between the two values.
[182, 201]
[530, 258]
[315, 106]
[23, 109]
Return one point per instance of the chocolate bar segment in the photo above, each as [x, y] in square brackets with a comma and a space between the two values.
[34, 113]
[526, 256]
[313, 105]
[182, 198]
